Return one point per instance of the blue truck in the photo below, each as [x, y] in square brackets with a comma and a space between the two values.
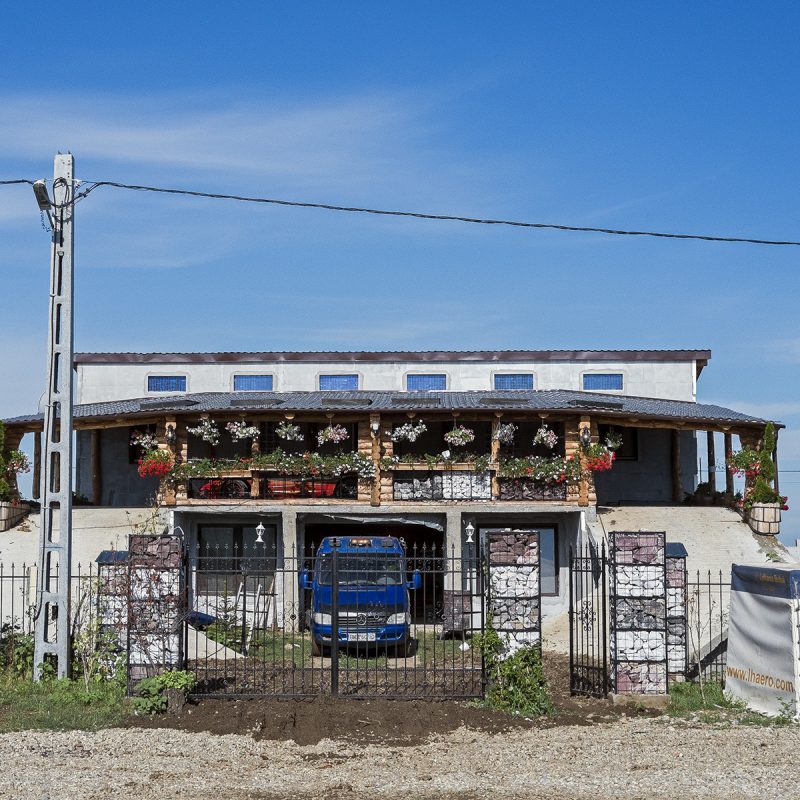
[373, 602]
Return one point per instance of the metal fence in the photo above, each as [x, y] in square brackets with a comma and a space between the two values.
[18, 602]
[340, 622]
[707, 604]
[588, 621]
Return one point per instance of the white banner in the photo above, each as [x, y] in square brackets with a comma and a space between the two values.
[763, 660]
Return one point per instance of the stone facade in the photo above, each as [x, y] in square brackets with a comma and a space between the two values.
[514, 588]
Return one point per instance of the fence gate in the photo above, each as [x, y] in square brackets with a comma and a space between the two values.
[588, 627]
[264, 623]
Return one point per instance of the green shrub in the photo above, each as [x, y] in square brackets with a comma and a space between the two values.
[516, 681]
[151, 693]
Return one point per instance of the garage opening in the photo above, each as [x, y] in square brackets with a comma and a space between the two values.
[425, 551]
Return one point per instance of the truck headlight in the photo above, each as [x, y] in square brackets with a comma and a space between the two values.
[322, 619]
[403, 618]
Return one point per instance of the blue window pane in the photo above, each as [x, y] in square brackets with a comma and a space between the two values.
[166, 383]
[520, 381]
[426, 383]
[252, 383]
[611, 381]
[341, 382]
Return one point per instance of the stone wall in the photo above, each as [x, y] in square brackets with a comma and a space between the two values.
[514, 588]
[443, 486]
[529, 489]
[638, 610]
[676, 616]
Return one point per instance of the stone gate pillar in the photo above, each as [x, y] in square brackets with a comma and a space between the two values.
[514, 588]
[638, 613]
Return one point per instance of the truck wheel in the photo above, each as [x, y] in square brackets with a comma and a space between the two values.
[316, 650]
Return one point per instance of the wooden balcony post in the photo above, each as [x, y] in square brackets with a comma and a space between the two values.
[375, 493]
[586, 484]
[728, 473]
[495, 457]
[677, 484]
[169, 490]
[37, 464]
[96, 467]
[571, 446]
[181, 456]
[712, 461]
[255, 450]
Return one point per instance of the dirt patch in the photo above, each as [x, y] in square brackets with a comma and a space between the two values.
[378, 721]
[391, 722]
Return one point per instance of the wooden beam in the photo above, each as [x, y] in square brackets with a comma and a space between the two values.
[96, 467]
[677, 487]
[375, 496]
[37, 464]
[712, 461]
[728, 473]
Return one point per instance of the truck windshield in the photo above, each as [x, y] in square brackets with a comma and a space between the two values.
[367, 569]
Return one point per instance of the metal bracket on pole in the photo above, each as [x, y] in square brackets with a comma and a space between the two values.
[52, 612]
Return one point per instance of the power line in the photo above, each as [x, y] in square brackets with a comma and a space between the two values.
[420, 215]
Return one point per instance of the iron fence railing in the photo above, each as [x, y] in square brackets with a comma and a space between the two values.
[273, 488]
[707, 606]
[374, 624]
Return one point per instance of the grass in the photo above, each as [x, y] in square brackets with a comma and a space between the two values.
[284, 648]
[59, 705]
[710, 705]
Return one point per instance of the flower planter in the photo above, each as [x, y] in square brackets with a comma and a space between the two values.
[765, 518]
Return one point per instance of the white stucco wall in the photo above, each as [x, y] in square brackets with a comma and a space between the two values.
[107, 382]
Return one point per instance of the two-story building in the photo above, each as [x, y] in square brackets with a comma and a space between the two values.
[425, 445]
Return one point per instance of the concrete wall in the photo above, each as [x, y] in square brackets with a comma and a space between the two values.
[106, 382]
[649, 478]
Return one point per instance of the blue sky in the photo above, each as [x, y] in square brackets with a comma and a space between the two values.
[679, 118]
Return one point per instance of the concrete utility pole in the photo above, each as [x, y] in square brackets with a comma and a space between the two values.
[51, 624]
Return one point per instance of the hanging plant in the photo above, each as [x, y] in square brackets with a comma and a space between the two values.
[17, 462]
[546, 437]
[459, 436]
[504, 432]
[144, 439]
[288, 432]
[409, 432]
[207, 430]
[241, 430]
[613, 440]
[333, 433]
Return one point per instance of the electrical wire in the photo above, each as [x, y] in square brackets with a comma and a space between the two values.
[414, 214]
[437, 217]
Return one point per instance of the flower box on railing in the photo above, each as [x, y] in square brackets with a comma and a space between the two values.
[531, 489]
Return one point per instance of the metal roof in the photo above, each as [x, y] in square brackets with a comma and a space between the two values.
[557, 400]
[502, 356]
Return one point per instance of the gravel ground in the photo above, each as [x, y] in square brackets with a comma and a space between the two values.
[625, 759]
